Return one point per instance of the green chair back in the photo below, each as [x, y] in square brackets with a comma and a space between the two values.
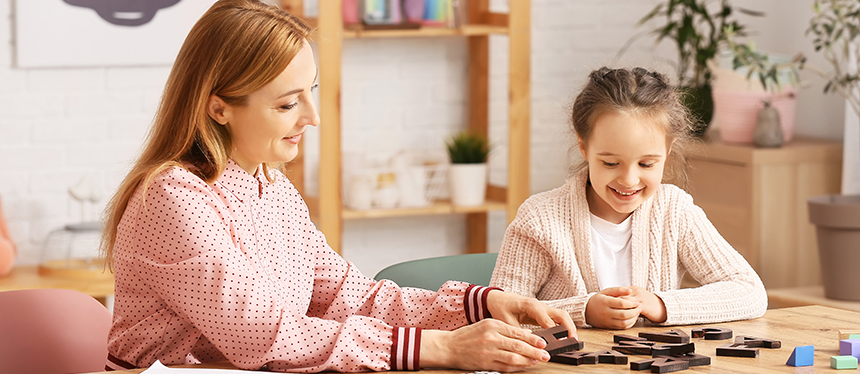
[431, 273]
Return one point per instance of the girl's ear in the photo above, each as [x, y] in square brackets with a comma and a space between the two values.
[581, 145]
[218, 109]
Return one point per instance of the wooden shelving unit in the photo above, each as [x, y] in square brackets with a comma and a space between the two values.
[328, 210]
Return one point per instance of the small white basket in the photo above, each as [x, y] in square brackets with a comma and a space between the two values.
[405, 181]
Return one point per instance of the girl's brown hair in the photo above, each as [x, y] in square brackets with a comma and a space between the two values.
[643, 93]
[236, 48]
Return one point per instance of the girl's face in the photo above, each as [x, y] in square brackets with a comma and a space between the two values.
[626, 155]
[269, 127]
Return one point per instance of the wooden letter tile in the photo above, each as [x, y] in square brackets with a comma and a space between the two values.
[712, 333]
[737, 350]
[557, 340]
[674, 336]
[610, 357]
[573, 358]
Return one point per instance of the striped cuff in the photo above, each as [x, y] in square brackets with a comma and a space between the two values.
[115, 364]
[476, 303]
[406, 348]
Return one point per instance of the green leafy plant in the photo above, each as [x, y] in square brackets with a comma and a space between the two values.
[696, 28]
[835, 28]
[771, 74]
[468, 148]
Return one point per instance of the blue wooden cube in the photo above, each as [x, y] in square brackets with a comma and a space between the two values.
[849, 347]
[801, 356]
[843, 362]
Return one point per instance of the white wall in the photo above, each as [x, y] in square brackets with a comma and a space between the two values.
[58, 125]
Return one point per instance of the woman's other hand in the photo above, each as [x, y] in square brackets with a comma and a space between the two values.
[488, 344]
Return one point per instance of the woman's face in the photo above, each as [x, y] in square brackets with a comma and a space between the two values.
[269, 127]
[626, 155]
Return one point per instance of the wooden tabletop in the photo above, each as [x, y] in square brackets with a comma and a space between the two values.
[806, 325]
[28, 277]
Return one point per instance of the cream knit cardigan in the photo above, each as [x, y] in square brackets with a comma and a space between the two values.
[546, 254]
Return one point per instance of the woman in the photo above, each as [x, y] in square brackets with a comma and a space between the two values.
[215, 255]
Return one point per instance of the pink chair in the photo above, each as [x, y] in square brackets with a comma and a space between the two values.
[52, 331]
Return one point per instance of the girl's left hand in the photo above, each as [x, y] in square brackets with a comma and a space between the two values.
[515, 309]
[652, 305]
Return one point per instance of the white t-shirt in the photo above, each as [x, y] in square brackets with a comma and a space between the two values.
[610, 248]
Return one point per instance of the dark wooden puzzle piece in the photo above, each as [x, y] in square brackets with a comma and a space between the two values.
[674, 336]
[737, 350]
[754, 342]
[624, 338]
[574, 358]
[712, 333]
[610, 357]
[680, 349]
[557, 340]
[695, 359]
[642, 347]
[663, 364]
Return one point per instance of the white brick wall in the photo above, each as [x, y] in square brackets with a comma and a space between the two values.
[59, 125]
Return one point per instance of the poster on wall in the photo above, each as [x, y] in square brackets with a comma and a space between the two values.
[87, 33]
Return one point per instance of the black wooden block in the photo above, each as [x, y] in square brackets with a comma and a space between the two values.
[573, 358]
[610, 357]
[642, 347]
[662, 364]
[680, 349]
[557, 340]
[623, 338]
[712, 333]
[695, 359]
[753, 342]
[737, 350]
[674, 336]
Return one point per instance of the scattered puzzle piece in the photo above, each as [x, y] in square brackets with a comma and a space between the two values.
[623, 338]
[843, 362]
[610, 357]
[712, 333]
[557, 340]
[695, 359]
[801, 356]
[674, 336]
[642, 347]
[573, 358]
[680, 349]
[663, 364]
[737, 350]
[753, 342]
[849, 347]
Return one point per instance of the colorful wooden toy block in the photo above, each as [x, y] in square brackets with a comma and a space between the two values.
[712, 333]
[843, 362]
[557, 340]
[849, 347]
[801, 356]
[854, 336]
[848, 334]
[674, 336]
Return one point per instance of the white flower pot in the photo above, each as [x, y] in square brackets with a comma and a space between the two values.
[467, 184]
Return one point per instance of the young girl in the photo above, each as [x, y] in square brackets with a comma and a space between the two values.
[613, 243]
[216, 257]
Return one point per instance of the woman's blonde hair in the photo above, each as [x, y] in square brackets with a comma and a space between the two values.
[236, 48]
[638, 91]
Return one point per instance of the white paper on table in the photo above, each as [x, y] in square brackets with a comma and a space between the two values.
[159, 368]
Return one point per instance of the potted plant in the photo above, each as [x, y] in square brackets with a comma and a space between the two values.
[835, 28]
[758, 83]
[467, 176]
[696, 28]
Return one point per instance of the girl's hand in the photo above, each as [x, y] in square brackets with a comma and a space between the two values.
[653, 307]
[613, 308]
[514, 309]
[488, 344]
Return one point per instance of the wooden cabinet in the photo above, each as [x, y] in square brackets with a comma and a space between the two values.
[756, 198]
[328, 210]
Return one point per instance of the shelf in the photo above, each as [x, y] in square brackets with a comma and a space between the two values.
[439, 207]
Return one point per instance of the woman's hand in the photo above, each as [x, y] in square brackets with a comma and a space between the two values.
[486, 345]
[514, 309]
[613, 308]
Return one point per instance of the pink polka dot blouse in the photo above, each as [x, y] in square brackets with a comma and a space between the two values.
[235, 270]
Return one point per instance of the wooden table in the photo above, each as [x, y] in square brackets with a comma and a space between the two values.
[800, 296]
[807, 325]
[28, 277]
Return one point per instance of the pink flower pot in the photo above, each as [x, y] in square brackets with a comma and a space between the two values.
[735, 113]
